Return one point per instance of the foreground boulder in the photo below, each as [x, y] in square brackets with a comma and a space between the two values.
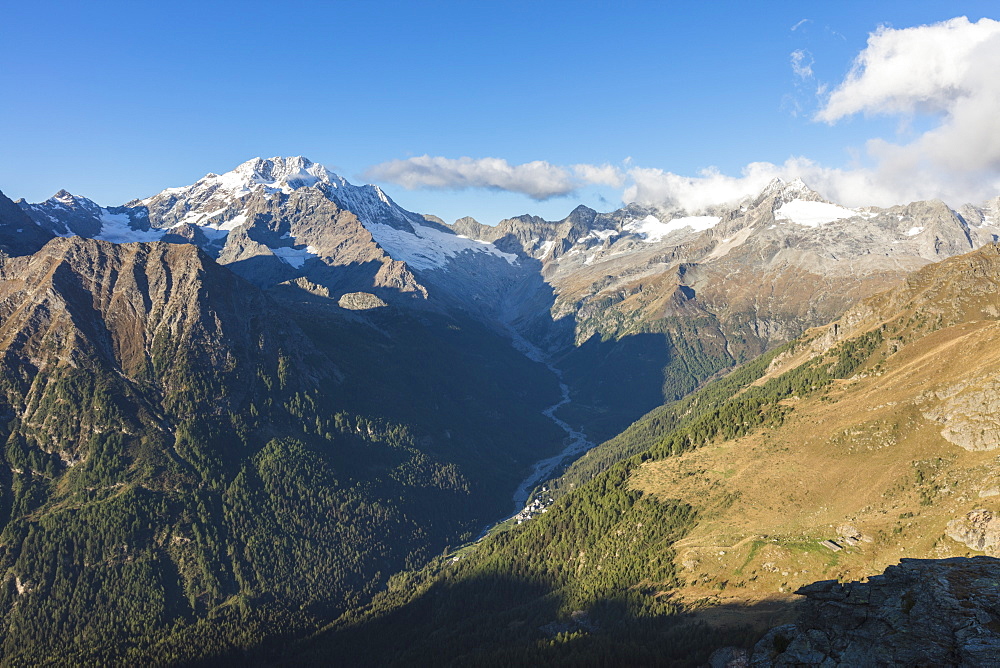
[921, 612]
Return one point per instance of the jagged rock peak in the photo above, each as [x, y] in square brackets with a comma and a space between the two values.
[270, 174]
[68, 199]
[582, 211]
[795, 188]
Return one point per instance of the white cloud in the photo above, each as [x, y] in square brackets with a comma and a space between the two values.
[926, 69]
[539, 180]
[600, 175]
[655, 186]
[851, 187]
[947, 71]
[800, 24]
[802, 62]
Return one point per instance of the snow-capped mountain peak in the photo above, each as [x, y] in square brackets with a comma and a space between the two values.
[67, 200]
[787, 190]
[214, 194]
[266, 175]
[64, 197]
[285, 174]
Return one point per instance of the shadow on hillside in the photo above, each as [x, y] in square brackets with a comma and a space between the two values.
[612, 382]
[445, 384]
[268, 271]
[493, 620]
[615, 382]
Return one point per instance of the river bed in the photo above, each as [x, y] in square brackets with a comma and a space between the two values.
[575, 442]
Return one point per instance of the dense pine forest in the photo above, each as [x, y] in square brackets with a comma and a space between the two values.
[588, 582]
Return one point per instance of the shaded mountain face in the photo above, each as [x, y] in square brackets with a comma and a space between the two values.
[864, 441]
[180, 447]
[636, 306]
[19, 234]
[691, 295]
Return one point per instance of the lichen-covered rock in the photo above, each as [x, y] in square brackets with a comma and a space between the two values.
[923, 612]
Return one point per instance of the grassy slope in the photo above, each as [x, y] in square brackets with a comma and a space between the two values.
[749, 481]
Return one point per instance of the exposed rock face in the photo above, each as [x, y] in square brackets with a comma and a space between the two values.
[979, 530]
[968, 412]
[729, 657]
[923, 612]
[360, 301]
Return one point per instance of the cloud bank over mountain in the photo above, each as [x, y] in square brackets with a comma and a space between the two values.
[539, 180]
[943, 73]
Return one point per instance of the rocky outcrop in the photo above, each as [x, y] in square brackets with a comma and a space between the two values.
[360, 301]
[968, 412]
[922, 612]
[979, 530]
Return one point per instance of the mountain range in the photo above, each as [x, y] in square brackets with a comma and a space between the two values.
[648, 300]
[864, 441]
[242, 410]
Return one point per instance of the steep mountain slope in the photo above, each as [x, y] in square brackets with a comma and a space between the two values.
[280, 219]
[635, 307]
[877, 432]
[693, 294]
[19, 234]
[189, 472]
[899, 457]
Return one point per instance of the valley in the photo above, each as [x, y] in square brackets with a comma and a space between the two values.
[486, 335]
[575, 442]
[287, 403]
[835, 457]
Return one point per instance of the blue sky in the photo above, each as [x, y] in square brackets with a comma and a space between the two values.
[120, 100]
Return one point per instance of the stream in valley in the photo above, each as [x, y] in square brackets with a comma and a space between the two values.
[575, 442]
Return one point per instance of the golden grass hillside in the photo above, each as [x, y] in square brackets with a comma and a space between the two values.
[879, 463]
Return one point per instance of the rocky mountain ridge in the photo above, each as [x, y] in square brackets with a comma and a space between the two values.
[200, 456]
[817, 235]
[650, 299]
